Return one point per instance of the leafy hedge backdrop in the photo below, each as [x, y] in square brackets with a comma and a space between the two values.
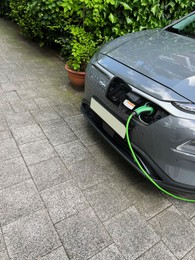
[48, 21]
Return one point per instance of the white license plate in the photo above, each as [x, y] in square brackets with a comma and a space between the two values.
[111, 120]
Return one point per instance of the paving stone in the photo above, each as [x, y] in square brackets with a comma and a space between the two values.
[17, 201]
[106, 199]
[77, 122]
[32, 84]
[16, 120]
[44, 102]
[8, 150]
[77, 99]
[36, 73]
[193, 220]
[2, 244]
[67, 110]
[188, 209]
[5, 71]
[190, 255]
[5, 135]
[54, 93]
[159, 252]
[109, 253]
[1, 90]
[31, 237]
[123, 174]
[24, 105]
[72, 152]
[60, 100]
[3, 125]
[131, 233]
[63, 200]
[3, 64]
[87, 173]
[49, 173]
[58, 132]
[83, 235]
[147, 199]
[176, 232]
[14, 77]
[104, 153]
[15, 66]
[13, 171]
[51, 80]
[11, 86]
[4, 255]
[28, 93]
[12, 56]
[5, 108]
[45, 115]
[9, 96]
[3, 79]
[37, 152]
[28, 134]
[89, 136]
[58, 254]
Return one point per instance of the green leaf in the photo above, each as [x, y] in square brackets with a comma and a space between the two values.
[126, 6]
[41, 44]
[154, 9]
[128, 20]
[112, 18]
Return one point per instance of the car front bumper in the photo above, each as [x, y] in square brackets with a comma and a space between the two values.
[156, 144]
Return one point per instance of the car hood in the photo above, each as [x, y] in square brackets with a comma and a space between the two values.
[162, 56]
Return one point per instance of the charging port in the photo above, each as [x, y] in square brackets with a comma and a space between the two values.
[119, 92]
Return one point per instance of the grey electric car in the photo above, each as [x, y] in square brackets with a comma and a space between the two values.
[156, 68]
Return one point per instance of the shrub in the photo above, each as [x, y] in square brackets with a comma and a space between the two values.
[23, 17]
[42, 21]
[113, 18]
[83, 47]
[45, 20]
[4, 8]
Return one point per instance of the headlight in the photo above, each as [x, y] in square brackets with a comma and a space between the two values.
[186, 107]
[188, 147]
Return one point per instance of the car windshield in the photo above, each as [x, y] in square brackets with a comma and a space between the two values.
[185, 27]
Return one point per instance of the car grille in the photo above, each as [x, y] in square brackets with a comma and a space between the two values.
[97, 79]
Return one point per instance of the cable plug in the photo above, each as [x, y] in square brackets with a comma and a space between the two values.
[144, 109]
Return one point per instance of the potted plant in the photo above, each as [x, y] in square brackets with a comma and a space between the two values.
[83, 48]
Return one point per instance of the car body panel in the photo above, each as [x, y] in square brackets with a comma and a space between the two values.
[140, 81]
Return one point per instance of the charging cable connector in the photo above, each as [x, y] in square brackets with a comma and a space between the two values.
[144, 109]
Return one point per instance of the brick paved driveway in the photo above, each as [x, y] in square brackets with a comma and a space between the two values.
[64, 194]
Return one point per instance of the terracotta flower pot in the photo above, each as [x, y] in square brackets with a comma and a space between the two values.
[77, 79]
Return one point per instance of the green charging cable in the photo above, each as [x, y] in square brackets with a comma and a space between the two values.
[149, 110]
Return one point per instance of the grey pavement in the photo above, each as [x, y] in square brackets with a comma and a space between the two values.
[64, 193]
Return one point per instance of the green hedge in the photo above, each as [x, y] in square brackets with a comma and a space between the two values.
[42, 20]
[46, 21]
[4, 8]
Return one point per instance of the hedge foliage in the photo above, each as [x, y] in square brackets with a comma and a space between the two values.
[46, 21]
